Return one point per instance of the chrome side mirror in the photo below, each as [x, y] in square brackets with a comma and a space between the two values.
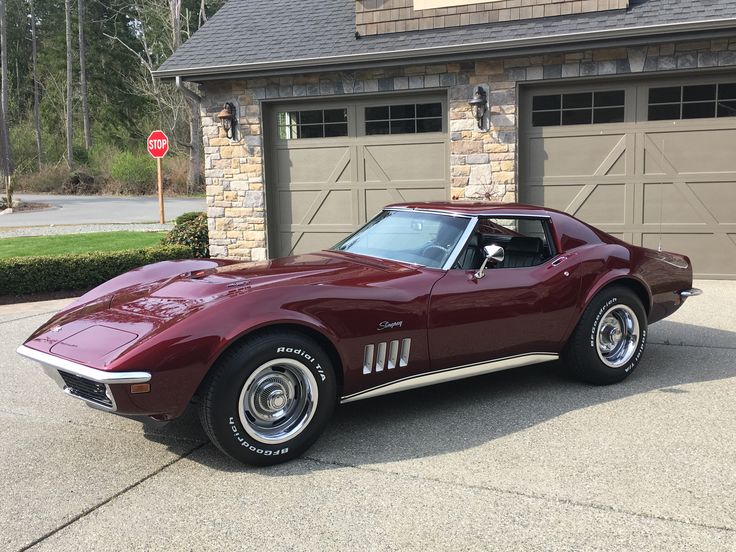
[493, 253]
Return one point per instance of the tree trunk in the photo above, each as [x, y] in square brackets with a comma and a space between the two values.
[83, 78]
[4, 59]
[6, 166]
[195, 133]
[36, 99]
[69, 86]
[195, 157]
[6, 160]
[175, 13]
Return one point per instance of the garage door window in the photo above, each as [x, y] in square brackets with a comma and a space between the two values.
[703, 101]
[580, 108]
[314, 123]
[403, 119]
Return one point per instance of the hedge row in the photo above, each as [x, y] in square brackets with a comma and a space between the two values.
[25, 275]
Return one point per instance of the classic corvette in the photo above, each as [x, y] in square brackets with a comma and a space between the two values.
[422, 294]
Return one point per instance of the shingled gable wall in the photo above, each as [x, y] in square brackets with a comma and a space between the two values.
[394, 16]
[483, 163]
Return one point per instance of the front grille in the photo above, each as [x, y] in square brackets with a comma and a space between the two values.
[86, 389]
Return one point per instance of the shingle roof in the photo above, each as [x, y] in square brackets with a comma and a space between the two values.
[248, 35]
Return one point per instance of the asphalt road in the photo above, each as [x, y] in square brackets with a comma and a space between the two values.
[79, 210]
[518, 460]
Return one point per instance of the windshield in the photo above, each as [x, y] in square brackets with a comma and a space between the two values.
[426, 239]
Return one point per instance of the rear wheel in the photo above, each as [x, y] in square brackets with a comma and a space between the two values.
[269, 398]
[610, 338]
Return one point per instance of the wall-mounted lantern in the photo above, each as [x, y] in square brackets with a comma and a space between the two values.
[228, 119]
[479, 105]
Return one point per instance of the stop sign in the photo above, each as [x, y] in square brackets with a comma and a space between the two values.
[158, 144]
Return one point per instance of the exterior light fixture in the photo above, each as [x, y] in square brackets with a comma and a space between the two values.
[479, 105]
[228, 119]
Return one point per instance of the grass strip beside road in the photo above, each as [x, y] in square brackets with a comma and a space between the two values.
[70, 244]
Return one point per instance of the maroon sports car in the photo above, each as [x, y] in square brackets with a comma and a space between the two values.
[424, 293]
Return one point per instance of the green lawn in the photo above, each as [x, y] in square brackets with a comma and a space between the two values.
[78, 243]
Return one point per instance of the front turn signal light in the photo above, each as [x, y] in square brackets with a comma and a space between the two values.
[138, 388]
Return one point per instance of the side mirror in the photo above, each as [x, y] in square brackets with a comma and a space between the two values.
[493, 253]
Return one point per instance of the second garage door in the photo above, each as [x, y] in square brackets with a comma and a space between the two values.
[332, 166]
[648, 161]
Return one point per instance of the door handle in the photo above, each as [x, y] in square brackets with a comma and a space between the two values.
[559, 261]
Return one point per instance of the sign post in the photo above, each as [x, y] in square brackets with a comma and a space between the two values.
[158, 146]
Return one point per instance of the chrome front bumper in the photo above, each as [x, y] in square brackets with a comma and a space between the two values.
[53, 366]
[692, 292]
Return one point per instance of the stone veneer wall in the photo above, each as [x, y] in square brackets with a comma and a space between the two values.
[483, 163]
[394, 16]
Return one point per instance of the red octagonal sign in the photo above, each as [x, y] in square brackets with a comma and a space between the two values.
[158, 144]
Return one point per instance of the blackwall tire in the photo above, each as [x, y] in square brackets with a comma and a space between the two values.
[268, 398]
[609, 340]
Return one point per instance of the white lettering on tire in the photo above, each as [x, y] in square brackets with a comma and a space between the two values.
[240, 439]
[306, 356]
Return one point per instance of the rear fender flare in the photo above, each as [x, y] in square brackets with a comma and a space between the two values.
[622, 276]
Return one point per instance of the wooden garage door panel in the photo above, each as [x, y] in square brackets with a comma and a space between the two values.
[405, 162]
[718, 197]
[665, 203]
[549, 155]
[294, 166]
[300, 209]
[605, 203]
[695, 151]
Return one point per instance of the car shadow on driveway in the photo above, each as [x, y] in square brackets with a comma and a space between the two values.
[464, 414]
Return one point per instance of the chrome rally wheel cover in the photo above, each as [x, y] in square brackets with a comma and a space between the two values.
[617, 336]
[278, 400]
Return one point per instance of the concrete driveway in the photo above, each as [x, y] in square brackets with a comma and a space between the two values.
[78, 210]
[518, 460]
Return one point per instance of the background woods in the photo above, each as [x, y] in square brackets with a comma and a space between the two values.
[78, 97]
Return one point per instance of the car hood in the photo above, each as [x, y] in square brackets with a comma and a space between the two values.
[102, 324]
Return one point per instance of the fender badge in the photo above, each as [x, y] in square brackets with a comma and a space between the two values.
[386, 325]
[55, 329]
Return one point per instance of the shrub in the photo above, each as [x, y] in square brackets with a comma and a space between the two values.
[80, 182]
[136, 173]
[51, 178]
[25, 275]
[187, 217]
[190, 229]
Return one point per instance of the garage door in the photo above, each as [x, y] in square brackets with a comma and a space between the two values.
[333, 166]
[647, 161]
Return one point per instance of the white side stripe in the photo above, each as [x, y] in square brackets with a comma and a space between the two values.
[440, 376]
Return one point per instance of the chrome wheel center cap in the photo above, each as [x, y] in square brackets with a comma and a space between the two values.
[276, 399]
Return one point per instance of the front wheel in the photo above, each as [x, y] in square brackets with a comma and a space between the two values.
[610, 338]
[268, 398]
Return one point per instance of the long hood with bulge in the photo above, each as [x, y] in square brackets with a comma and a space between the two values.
[101, 325]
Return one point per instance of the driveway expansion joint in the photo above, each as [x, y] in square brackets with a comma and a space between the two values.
[49, 313]
[669, 344]
[99, 505]
[537, 496]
